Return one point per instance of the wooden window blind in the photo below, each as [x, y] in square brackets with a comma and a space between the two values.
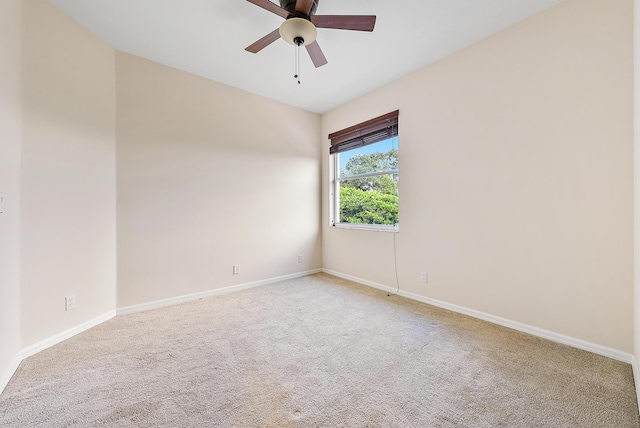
[372, 131]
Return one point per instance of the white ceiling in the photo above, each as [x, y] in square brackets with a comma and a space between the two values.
[208, 37]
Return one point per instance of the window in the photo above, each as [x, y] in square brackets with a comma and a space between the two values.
[365, 179]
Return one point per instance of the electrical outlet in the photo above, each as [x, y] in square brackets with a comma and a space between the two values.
[1, 203]
[423, 277]
[69, 302]
[236, 269]
[300, 258]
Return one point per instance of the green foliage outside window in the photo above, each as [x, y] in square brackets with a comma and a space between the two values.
[367, 207]
[370, 200]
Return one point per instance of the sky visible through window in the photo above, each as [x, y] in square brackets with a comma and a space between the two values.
[382, 147]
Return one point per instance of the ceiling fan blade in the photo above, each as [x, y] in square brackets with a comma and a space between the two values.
[271, 7]
[316, 54]
[304, 6]
[345, 22]
[264, 42]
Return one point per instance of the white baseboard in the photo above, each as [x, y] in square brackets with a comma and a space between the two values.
[9, 372]
[44, 344]
[208, 293]
[47, 343]
[525, 328]
[636, 378]
[54, 340]
[556, 337]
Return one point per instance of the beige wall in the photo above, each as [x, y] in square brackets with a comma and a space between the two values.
[516, 176]
[636, 188]
[68, 173]
[10, 131]
[209, 176]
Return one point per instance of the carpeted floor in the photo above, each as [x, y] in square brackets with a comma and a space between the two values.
[314, 352]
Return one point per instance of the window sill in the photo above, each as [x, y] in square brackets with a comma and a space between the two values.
[370, 227]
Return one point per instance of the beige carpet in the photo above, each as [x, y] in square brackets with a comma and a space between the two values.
[314, 352]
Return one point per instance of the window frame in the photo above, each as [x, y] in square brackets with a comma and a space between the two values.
[347, 137]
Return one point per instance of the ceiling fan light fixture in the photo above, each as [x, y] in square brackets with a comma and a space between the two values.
[294, 28]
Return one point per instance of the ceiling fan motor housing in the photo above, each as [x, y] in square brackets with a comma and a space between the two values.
[290, 5]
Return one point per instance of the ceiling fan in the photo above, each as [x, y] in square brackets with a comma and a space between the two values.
[299, 27]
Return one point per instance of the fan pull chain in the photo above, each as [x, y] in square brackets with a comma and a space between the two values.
[298, 41]
[297, 75]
